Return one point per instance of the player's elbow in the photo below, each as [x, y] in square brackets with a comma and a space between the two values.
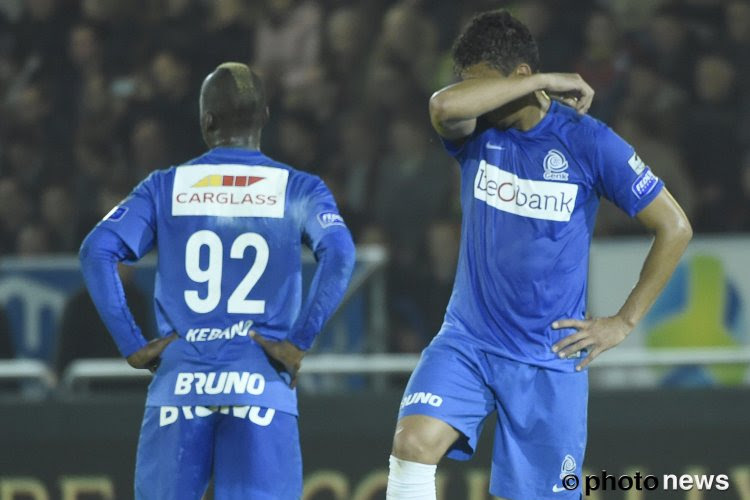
[345, 253]
[678, 230]
[441, 109]
[87, 247]
[98, 245]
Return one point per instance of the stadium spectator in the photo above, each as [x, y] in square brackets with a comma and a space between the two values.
[60, 218]
[671, 44]
[288, 42]
[603, 62]
[84, 105]
[15, 212]
[33, 240]
[82, 333]
[711, 144]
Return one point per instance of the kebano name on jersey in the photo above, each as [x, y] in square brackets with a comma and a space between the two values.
[229, 190]
[537, 199]
[207, 334]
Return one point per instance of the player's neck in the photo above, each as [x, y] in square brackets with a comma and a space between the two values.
[239, 141]
[522, 114]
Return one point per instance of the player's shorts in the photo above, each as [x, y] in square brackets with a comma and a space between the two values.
[541, 415]
[252, 452]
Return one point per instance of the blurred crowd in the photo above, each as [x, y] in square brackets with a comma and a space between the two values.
[95, 94]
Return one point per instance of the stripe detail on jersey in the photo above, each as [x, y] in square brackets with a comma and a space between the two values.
[229, 190]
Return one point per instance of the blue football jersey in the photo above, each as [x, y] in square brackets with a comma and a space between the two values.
[529, 202]
[229, 227]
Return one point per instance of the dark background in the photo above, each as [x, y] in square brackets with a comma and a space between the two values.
[654, 432]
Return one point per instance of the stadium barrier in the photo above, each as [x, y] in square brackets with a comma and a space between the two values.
[81, 373]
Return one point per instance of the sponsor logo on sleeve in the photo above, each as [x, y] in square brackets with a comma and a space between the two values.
[536, 199]
[644, 184]
[636, 164]
[116, 213]
[328, 219]
[230, 191]
[425, 398]
[555, 166]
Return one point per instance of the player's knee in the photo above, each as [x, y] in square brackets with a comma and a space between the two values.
[421, 443]
[410, 445]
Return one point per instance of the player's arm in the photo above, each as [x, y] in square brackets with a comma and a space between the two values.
[665, 219]
[127, 233]
[332, 245]
[624, 179]
[454, 109]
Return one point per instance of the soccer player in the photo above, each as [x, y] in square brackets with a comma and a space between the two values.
[228, 227]
[515, 339]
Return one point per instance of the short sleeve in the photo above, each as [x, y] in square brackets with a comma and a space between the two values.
[454, 148]
[134, 219]
[622, 177]
[321, 216]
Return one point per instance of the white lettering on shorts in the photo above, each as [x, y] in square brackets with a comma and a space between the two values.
[255, 414]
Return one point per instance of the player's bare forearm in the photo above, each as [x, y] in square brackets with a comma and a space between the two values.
[455, 108]
[672, 231]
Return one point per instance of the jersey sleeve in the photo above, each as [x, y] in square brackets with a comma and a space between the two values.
[621, 176]
[326, 234]
[321, 215]
[126, 233]
[134, 219]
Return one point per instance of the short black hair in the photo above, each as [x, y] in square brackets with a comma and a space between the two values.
[498, 39]
[234, 95]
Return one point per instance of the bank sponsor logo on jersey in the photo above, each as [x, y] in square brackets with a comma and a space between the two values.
[257, 415]
[229, 190]
[116, 213]
[426, 398]
[636, 164]
[644, 184]
[212, 383]
[555, 166]
[537, 199]
[205, 334]
[328, 219]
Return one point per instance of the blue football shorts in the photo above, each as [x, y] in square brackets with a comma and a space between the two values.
[251, 452]
[540, 437]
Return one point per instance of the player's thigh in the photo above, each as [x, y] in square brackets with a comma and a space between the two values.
[175, 453]
[257, 455]
[448, 391]
[541, 432]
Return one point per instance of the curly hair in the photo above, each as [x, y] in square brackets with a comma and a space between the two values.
[498, 39]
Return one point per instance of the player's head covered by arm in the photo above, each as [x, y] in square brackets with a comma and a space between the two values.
[233, 107]
[497, 39]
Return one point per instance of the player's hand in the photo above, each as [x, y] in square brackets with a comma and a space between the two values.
[597, 335]
[286, 353]
[569, 88]
[148, 356]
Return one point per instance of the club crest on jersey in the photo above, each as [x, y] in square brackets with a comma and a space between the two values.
[568, 466]
[555, 166]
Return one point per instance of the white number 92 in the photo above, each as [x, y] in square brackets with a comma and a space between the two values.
[238, 303]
